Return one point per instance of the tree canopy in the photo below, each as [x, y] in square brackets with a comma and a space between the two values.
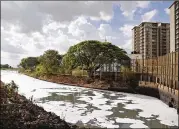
[92, 54]
[5, 66]
[29, 62]
[50, 61]
[88, 55]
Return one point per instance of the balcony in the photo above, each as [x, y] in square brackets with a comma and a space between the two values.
[177, 7]
[164, 31]
[177, 31]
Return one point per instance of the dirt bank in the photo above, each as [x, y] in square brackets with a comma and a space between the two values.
[16, 112]
[105, 84]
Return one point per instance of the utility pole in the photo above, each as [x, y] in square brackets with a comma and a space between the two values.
[105, 39]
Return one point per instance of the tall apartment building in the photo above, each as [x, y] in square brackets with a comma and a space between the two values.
[151, 39]
[136, 39]
[174, 26]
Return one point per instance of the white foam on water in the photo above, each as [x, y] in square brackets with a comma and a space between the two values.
[113, 94]
[85, 98]
[105, 107]
[96, 101]
[138, 125]
[108, 125]
[64, 94]
[152, 106]
[115, 102]
[81, 105]
[135, 123]
[69, 112]
[73, 112]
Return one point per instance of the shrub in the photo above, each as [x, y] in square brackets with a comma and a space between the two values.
[61, 70]
[12, 88]
[79, 73]
[39, 70]
[129, 77]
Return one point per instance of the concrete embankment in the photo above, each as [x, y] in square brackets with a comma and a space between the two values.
[165, 94]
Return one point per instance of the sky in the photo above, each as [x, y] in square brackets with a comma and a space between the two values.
[28, 28]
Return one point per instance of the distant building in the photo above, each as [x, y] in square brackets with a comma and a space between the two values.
[174, 26]
[151, 39]
[134, 57]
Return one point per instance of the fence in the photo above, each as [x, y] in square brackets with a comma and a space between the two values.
[162, 70]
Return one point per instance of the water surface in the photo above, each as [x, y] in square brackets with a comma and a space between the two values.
[95, 108]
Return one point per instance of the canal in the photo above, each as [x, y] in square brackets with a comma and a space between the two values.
[95, 108]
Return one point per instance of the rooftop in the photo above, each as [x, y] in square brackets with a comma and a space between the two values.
[149, 22]
[172, 4]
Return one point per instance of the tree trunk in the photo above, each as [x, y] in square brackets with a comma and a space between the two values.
[90, 73]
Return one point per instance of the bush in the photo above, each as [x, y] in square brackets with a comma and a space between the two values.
[129, 77]
[12, 88]
[21, 70]
[40, 70]
[68, 71]
[61, 70]
[79, 73]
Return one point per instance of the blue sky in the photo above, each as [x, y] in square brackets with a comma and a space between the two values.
[29, 28]
[120, 19]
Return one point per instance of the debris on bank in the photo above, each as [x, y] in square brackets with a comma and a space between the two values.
[18, 112]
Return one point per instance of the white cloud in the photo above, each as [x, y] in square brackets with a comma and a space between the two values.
[143, 4]
[29, 28]
[167, 11]
[8, 58]
[127, 30]
[148, 16]
[32, 15]
[128, 45]
[129, 8]
[56, 36]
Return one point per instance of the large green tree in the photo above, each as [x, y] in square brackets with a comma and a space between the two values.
[50, 61]
[92, 54]
[29, 63]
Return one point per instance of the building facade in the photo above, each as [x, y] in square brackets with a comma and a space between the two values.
[151, 39]
[174, 26]
[136, 39]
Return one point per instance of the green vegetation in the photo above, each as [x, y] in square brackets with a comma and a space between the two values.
[81, 59]
[79, 73]
[92, 54]
[128, 76]
[29, 63]
[11, 88]
[50, 62]
[6, 66]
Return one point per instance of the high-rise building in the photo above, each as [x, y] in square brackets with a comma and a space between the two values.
[136, 39]
[174, 26]
[151, 39]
